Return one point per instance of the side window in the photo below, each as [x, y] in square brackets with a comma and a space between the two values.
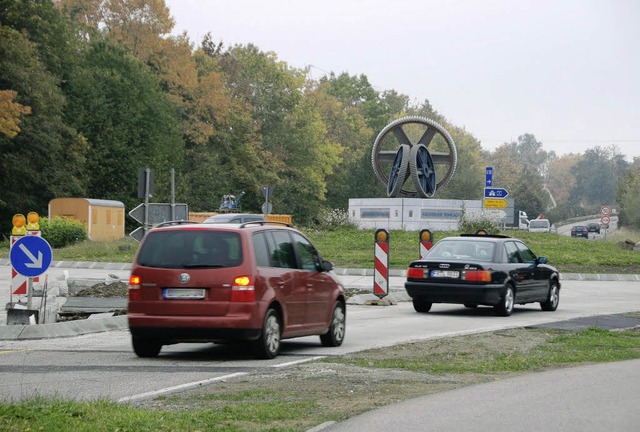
[511, 251]
[526, 253]
[261, 250]
[282, 254]
[308, 255]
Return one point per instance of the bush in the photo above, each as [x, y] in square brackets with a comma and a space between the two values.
[471, 223]
[329, 220]
[62, 231]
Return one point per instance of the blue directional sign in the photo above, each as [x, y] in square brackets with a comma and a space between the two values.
[495, 192]
[489, 177]
[31, 256]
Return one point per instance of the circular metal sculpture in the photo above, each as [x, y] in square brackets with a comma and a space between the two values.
[415, 147]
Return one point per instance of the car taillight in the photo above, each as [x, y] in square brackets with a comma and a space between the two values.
[477, 275]
[243, 290]
[415, 273]
[134, 288]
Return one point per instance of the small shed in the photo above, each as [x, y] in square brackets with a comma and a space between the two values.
[104, 219]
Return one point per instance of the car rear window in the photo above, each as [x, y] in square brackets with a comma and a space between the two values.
[191, 249]
[463, 249]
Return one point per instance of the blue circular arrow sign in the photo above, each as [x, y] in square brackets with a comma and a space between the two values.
[31, 256]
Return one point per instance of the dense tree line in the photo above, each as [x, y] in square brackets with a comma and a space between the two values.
[93, 90]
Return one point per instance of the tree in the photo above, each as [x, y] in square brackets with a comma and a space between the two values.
[137, 24]
[292, 134]
[119, 107]
[10, 113]
[46, 159]
[597, 175]
[529, 196]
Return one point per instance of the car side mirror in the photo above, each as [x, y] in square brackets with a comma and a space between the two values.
[542, 260]
[326, 266]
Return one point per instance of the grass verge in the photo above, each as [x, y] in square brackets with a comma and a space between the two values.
[298, 398]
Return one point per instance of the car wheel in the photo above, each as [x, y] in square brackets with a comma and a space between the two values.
[146, 348]
[268, 344]
[553, 298]
[335, 335]
[421, 305]
[505, 307]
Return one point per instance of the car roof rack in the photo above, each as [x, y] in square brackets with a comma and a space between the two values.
[175, 222]
[485, 235]
[244, 224]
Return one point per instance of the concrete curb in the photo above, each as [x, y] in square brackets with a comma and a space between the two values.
[63, 329]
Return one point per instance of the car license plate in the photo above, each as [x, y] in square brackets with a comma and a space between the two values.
[445, 274]
[184, 293]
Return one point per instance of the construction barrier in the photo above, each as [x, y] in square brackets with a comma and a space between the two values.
[381, 264]
[426, 242]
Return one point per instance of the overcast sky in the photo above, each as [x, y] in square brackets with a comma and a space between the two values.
[566, 71]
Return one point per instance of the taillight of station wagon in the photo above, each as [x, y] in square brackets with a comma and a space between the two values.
[243, 290]
[134, 288]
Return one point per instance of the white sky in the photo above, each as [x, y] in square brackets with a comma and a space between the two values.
[567, 71]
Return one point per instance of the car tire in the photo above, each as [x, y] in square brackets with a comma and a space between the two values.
[146, 348]
[267, 345]
[505, 307]
[335, 335]
[421, 306]
[553, 298]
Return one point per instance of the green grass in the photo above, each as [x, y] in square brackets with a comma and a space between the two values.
[352, 248]
[592, 345]
[275, 404]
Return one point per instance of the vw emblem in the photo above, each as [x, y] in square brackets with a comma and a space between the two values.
[444, 266]
[184, 278]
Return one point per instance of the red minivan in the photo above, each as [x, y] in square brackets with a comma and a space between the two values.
[259, 282]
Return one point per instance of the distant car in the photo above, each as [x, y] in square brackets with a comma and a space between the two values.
[579, 231]
[593, 227]
[540, 225]
[491, 270]
[234, 218]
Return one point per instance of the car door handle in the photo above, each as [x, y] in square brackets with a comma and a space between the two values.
[309, 285]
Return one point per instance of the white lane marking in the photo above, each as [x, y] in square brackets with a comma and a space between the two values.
[295, 362]
[188, 386]
[180, 387]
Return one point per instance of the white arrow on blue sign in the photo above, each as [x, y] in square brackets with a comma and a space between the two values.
[495, 193]
[31, 256]
[489, 176]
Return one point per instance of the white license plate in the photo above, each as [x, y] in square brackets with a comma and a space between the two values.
[445, 274]
[184, 293]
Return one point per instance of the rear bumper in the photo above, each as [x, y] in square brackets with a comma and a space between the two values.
[173, 329]
[194, 334]
[455, 293]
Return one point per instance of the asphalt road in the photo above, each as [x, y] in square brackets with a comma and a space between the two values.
[587, 398]
[103, 365]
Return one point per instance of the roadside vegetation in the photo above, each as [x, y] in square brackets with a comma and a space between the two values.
[334, 389]
[349, 247]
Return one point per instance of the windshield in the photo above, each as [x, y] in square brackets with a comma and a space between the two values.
[191, 249]
[462, 249]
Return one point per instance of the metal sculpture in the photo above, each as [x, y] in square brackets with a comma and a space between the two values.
[396, 153]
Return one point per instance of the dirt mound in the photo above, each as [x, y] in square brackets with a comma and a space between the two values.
[102, 289]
